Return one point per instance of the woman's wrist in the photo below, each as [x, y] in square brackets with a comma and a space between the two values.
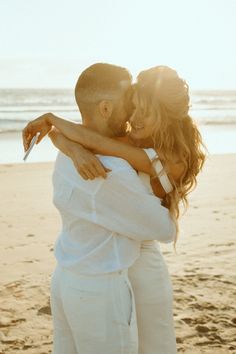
[67, 146]
[70, 129]
[50, 119]
[73, 149]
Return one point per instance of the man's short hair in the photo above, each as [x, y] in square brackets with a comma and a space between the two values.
[98, 82]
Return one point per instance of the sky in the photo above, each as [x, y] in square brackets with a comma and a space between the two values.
[48, 43]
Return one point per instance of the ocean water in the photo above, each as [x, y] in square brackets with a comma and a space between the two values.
[214, 111]
[18, 106]
[214, 107]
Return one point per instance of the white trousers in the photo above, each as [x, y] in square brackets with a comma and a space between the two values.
[152, 288]
[93, 314]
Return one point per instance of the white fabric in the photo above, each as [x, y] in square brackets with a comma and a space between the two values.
[103, 221]
[93, 314]
[158, 167]
[152, 288]
[151, 153]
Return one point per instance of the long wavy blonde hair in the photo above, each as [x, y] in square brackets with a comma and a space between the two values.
[175, 135]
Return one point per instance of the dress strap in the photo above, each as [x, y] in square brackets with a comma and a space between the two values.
[159, 169]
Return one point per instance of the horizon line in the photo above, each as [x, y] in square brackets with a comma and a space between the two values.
[72, 88]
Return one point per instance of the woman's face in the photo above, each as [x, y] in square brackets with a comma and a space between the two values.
[142, 126]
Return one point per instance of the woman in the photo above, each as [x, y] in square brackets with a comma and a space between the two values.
[160, 122]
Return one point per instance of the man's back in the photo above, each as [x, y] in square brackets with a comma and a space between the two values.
[103, 221]
[84, 245]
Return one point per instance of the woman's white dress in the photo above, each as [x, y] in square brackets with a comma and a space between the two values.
[152, 288]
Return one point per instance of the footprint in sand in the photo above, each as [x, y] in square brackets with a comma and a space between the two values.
[192, 297]
[203, 278]
[227, 282]
[13, 284]
[232, 347]
[234, 321]
[9, 322]
[179, 290]
[13, 340]
[203, 306]
[202, 329]
[22, 245]
[45, 310]
[229, 244]
[18, 320]
[5, 322]
[215, 337]
[30, 235]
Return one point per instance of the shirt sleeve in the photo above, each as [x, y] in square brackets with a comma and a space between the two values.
[124, 205]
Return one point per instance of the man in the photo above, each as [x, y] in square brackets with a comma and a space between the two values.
[104, 221]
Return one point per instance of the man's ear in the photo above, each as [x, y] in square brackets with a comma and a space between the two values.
[105, 109]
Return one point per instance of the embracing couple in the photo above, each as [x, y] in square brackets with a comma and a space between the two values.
[118, 182]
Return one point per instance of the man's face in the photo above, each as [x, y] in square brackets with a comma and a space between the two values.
[117, 123]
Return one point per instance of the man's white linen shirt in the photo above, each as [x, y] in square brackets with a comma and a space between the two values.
[105, 220]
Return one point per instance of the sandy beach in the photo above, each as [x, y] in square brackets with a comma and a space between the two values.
[202, 270]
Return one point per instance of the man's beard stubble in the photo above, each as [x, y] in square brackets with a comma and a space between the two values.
[118, 128]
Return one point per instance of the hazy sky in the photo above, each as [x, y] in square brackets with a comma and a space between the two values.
[47, 43]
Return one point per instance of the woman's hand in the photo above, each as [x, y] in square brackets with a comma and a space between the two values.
[41, 125]
[86, 163]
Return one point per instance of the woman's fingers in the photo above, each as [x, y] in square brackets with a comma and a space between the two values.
[82, 173]
[85, 171]
[107, 169]
[38, 125]
[26, 136]
[98, 169]
[91, 169]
